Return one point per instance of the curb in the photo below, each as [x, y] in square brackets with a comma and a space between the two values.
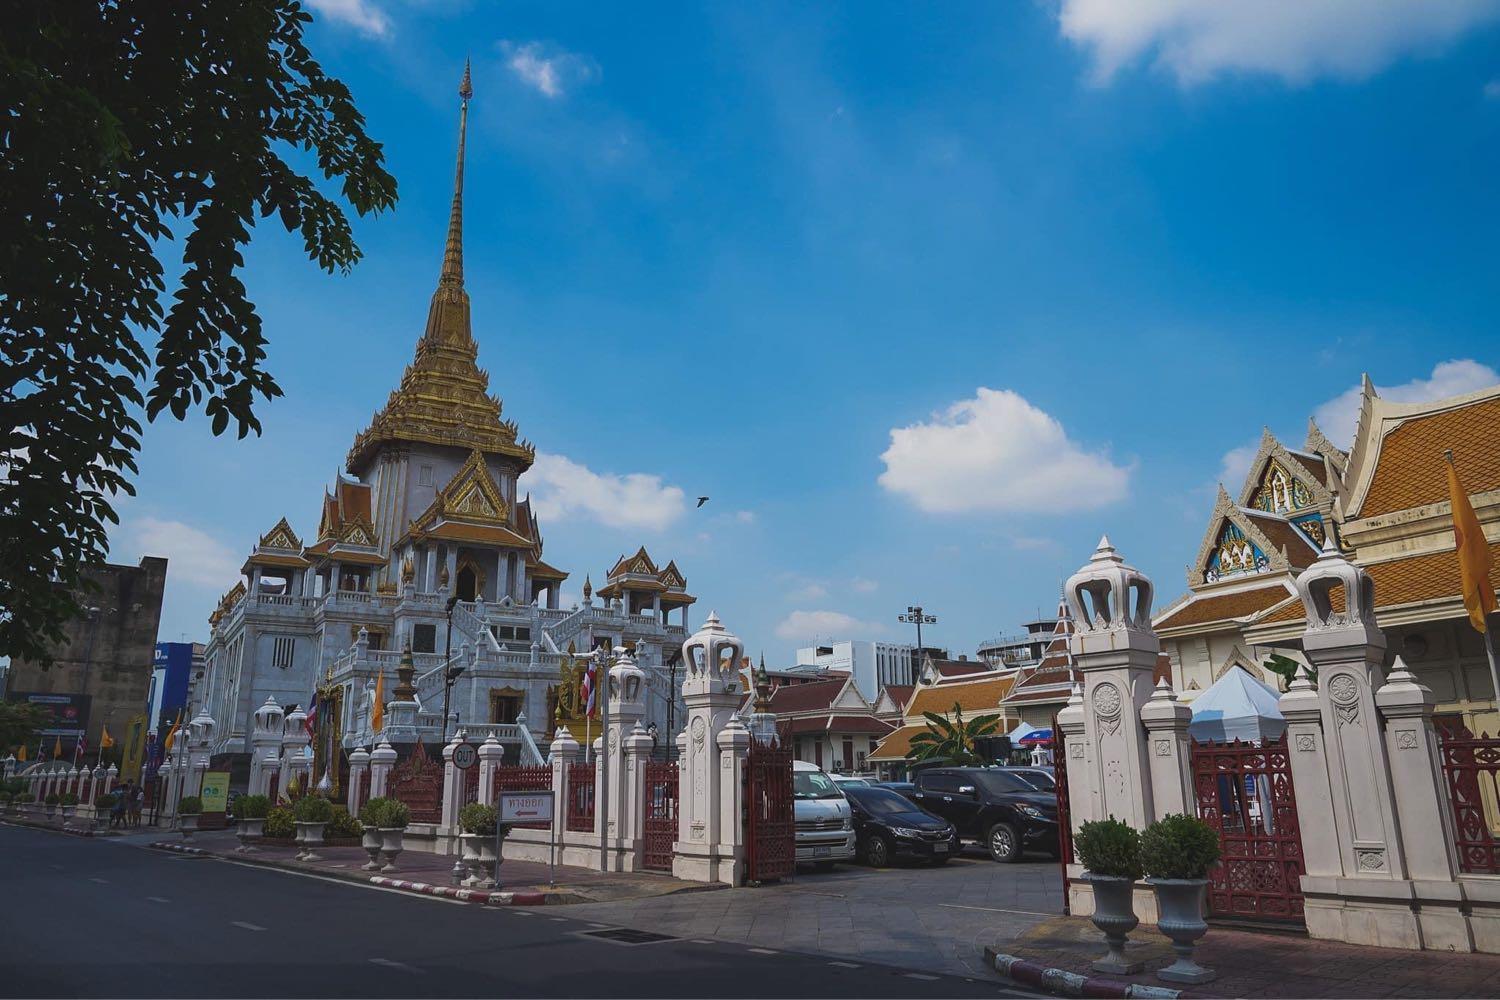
[1070, 984]
[69, 830]
[484, 897]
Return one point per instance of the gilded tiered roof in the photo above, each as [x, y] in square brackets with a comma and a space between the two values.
[444, 396]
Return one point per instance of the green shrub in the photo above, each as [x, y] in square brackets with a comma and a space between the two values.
[1179, 846]
[251, 807]
[190, 805]
[105, 802]
[5, 798]
[312, 809]
[23, 798]
[51, 799]
[280, 823]
[68, 799]
[398, 815]
[1109, 847]
[477, 818]
[375, 811]
[343, 825]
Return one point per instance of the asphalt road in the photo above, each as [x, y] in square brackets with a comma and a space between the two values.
[101, 918]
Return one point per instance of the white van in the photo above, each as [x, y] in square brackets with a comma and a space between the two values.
[825, 826]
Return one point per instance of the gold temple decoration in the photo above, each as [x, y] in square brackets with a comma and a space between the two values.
[762, 689]
[405, 671]
[443, 575]
[407, 570]
[443, 398]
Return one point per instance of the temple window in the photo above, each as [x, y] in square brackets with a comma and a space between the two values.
[283, 647]
[424, 638]
[424, 475]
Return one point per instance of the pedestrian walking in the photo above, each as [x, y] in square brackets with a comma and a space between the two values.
[117, 811]
[137, 803]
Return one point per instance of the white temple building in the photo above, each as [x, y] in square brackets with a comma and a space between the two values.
[426, 552]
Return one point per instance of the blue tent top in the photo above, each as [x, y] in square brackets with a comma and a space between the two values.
[1237, 706]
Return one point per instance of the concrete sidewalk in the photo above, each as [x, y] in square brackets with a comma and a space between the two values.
[571, 885]
[1253, 964]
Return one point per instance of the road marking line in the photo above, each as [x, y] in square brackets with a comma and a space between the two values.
[844, 965]
[157, 899]
[247, 925]
[764, 951]
[558, 920]
[919, 975]
[339, 881]
[702, 941]
[599, 927]
[388, 964]
[101, 881]
[991, 909]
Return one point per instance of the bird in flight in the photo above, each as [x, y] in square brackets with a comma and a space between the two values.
[702, 501]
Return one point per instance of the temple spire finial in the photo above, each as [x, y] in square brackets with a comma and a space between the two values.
[453, 253]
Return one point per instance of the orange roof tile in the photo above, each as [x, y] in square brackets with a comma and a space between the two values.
[971, 696]
[1428, 577]
[1409, 472]
[484, 534]
[897, 745]
[1224, 607]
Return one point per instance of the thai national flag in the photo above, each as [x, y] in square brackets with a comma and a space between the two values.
[311, 722]
[588, 689]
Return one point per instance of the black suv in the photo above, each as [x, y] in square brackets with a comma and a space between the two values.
[991, 807]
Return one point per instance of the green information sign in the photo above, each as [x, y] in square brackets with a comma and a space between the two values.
[215, 792]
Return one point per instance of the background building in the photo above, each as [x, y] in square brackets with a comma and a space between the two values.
[873, 665]
[103, 665]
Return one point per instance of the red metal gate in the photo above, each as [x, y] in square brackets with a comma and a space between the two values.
[770, 813]
[1064, 818]
[1471, 768]
[661, 814]
[1244, 791]
[580, 813]
[418, 782]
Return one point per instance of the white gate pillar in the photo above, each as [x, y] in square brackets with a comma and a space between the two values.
[710, 690]
[491, 755]
[382, 759]
[627, 706]
[359, 766]
[1166, 720]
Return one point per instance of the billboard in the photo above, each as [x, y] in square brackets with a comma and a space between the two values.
[171, 669]
[69, 712]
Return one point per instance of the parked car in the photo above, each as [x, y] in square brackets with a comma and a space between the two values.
[899, 787]
[851, 781]
[889, 826]
[993, 807]
[1041, 778]
[825, 825]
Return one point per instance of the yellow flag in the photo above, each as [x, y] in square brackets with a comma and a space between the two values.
[377, 715]
[21, 753]
[105, 740]
[57, 748]
[172, 733]
[1473, 553]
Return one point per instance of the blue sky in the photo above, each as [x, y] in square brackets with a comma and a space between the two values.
[925, 298]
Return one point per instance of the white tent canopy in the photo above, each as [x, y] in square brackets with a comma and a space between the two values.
[1237, 706]
[1021, 730]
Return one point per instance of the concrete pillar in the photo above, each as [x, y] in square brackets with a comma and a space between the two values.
[382, 759]
[491, 756]
[1371, 901]
[626, 691]
[733, 743]
[1303, 712]
[1171, 749]
[110, 776]
[453, 785]
[710, 689]
[561, 755]
[359, 767]
[1422, 809]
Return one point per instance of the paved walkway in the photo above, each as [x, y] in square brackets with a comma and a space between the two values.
[1269, 965]
[934, 919]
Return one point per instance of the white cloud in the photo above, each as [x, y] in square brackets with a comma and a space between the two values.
[864, 585]
[562, 488]
[809, 625]
[1029, 543]
[997, 452]
[1295, 40]
[1492, 89]
[1235, 465]
[809, 592]
[550, 72]
[362, 15]
[1339, 415]
[744, 516]
[193, 556]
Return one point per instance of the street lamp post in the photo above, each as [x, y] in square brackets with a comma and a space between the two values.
[450, 672]
[915, 615]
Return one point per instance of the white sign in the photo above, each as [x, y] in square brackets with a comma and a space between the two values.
[464, 756]
[525, 807]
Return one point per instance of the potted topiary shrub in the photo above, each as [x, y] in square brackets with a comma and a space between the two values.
[280, 825]
[188, 811]
[22, 801]
[342, 828]
[103, 806]
[1176, 853]
[397, 817]
[68, 801]
[51, 803]
[1111, 853]
[5, 797]
[373, 816]
[312, 813]
[478, 839]
[250, 820]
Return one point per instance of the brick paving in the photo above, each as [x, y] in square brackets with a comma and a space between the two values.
[1253, 964]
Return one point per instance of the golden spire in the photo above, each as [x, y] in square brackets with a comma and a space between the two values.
[453, 254]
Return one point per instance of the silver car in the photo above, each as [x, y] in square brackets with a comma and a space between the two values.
[825, 824]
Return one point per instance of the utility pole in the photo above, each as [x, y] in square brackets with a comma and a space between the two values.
[915, 615]
[450, 672]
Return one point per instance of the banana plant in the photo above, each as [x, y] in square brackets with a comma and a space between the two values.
[952, 740]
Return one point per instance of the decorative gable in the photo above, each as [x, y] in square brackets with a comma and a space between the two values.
[672, 576]
[472, 494]
[1285, 482]
[1280, 491]
[358, 533]
[1234, 554]
[281, 537]
[1235, 546]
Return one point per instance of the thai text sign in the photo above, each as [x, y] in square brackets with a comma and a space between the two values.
[525, 807]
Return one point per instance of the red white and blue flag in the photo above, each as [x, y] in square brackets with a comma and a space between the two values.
[588, 689]
[311, 723]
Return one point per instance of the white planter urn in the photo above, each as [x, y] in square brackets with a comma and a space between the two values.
[390, 846]
[486, 862]
[468, 847]
[1114, 915]
[1180, 904]
[371, 840]
[186, 824]
[67, 812]
[310, 835]
[248, 831]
